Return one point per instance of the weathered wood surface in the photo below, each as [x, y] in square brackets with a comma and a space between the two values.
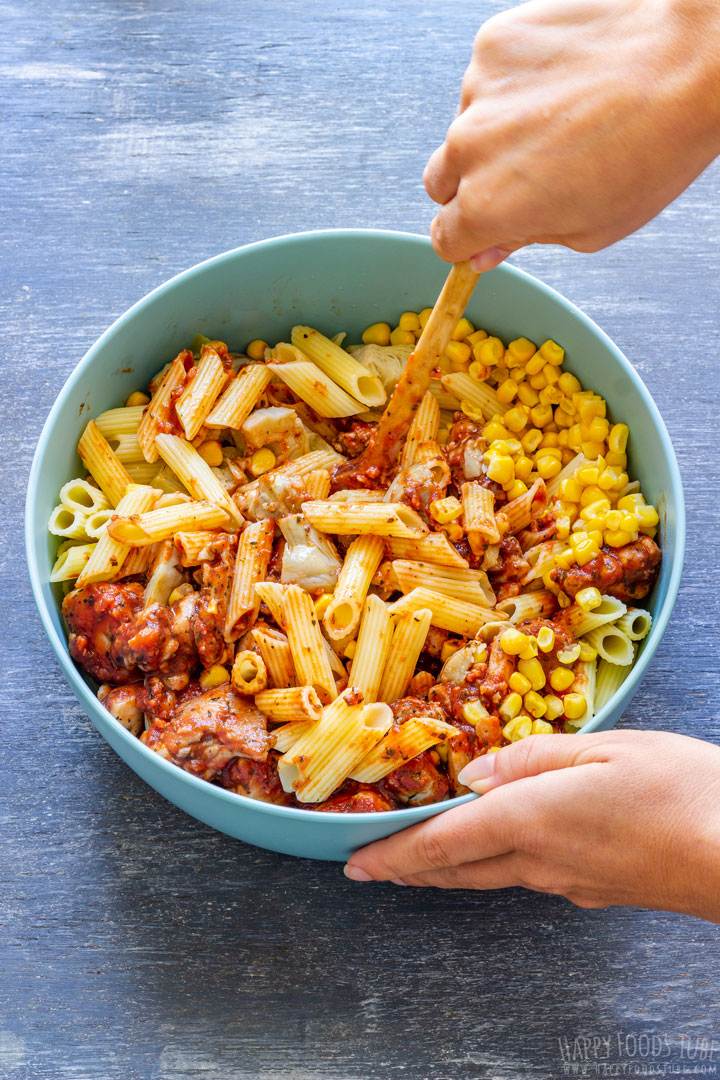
[140, 137]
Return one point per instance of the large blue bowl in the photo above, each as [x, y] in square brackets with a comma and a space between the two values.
[336, 280]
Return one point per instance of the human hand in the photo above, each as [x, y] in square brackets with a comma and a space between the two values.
[624, 817]
[579, 121]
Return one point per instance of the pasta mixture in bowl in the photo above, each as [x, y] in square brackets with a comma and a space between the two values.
[263, 610]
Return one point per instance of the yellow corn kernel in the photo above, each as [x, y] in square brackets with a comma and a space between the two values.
[454, 531]
[535, 364]
[550, 395]
[565, 559]
[562, 418]
[511, 706]
[489, 352]
[506, 391]
[612, 519]
[609, 478]
[569, 384]
[587, 653]
[561, 678]
[515, 419]
[541, 415]
[512, 641]
[574, 706]
[522, 349]
[596, 536]
[256, 349]
[518, 728]
[177, 594]
[532, 670]
[553, 706]
[562, 438]
[618, 438]
[538, 381]
[584, 548]
[547, 466]
[402, 337]
[629, 522]
[322, 604]
[501, 469]
[527, 395]
[619, 537]
[541, 727]
[562, 527]
[211, 451]
[588, 475]
[262, 461]
[474, 712]
[472, 412]
[463, 329]
[480, 653]
[570, 655]
[531, 440]
[494, 430]
[596, 430]
[647, 516]
[593, 510]
[589, 406]
[594, 495]
[546, 638]
[588, 599]
[523, 468]
[449, 649]
[616, 460]
[497, 446]
[530, 650]
[519, 683]
[444, 510]
[424, 315]
[478, 371]
[378, 333]
[630, 503]
[137, 398]
[409, 321]
[534, 704]
[552, 352]
[549, 445]
[516, 489]
[591, 449]
[570, 489]
[477, 335]
[215, 675]
[459, 352]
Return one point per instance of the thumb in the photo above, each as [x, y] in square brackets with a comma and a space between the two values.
[533, 755]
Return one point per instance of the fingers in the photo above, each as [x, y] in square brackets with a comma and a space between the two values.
[441, 178]
[532, 756]
[500, 872]
[470, 223]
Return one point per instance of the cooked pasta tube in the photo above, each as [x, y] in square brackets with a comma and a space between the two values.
[477, 394]
[294, 703]
[251, 563]
[585, 675]
[380, 519]
[531, 605]
[195, 473]
[83, 496]
[424, 426]
[68, 523]
[240, 397]
[116, 422]
[636, 623]
[401, 744]
[102, 464]
[410, 629]
[286, 736]
[249, 674]
[471, 585]
[579, 622]
[457, 616]
[478, 504]
[320, 760]
[147, 528]
[348, 495]
[608, 679]
[196, 547]
[200, 393]
[611, 644]
[159, 407]
[316, 459]
[137, 561]
[565, 473]
[109, 554]
[306, 643]
[362, 559]
[144, 472]
[447, 402]
[312, 386]
[276, 653]
[433, 548]
[342, 368]
[96, 521]
[372, 648]
[517, 514]
[70, 562]
[317, 484]
[541, 558]
[272, 594]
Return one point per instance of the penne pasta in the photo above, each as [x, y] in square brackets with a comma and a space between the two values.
[306, 643]
[68, 523]
[99, 460]
[542, 559]
[239, 398]
[109, 554]
[478, 504]
[410, 630]
[424, 426]
[286, 736]
[608, 679]
[380, 519]
[585, 684]
[434, 548]
[249, 674]
[565, 473]
[96, 522]
[518, 513]
[315, 388]
[636, 623]
[83, 496]
[476, 393]
[579, 622]
[147, 528]
[362, 559]
[144, 472]
[317, 484]
[342, 368]
[471, 585]
[272, 594]
[199, 394]
[611, 644]
[159, 408]
[401, 744]
[316, 459]
[114, 423]
[251, 563]
[71, 562]
[137, 561]
[457, 616]
[373, 645]
[533, 605]
[197, 547]
[288, 705]
[276, 653]
[195, 473]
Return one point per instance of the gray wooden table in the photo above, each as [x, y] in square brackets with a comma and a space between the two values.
[141, 136]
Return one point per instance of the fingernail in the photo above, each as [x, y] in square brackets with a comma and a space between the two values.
[478, 774]
[488, 259]
[355, 873]
[398, 881]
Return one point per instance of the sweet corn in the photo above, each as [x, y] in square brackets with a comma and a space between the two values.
[561, 678]
[424, 315]
[569, 655]
[562, 527]
[459, 352]
[614, 459]
[523, 468]
[256, 349]
[463, 329]
[647, 516]
[478, 371]
[530, 650]
[378, 333]
[215, 675]
[584, 548]
[541, 727]
[501, 469]
[516, 489]
[137, 398]
[546, 638]
[534, 704]
[539, 381]
[570, 489]
[587, 475]
[454, 531]
[591, 449]
[518, 728]
[350, 650]
[402, 337]
[565, 559]
[211, 451]
[522, 349]
[609, 478]
[472, 412]
[477, 335]
[619, 537]
[532, 670]
[629, 503]
[541, 415]
[596, 430]
[489, 352]
[444, 510]
[449, 649]
[569, 384]
[562, 418]
[262, 461]
[617, 438]
[494, 430]
[506, 391]
[409, 321]
[527, 395]
[587, 653]
[535, 364]
[519, 683]
[629, 522]
[553, 707]
[588, 599]
[574, 706]
[515, 419]
[552, 352]
[547, 466]
[512, 641]
[531, 440]
[480, 653]
[474, 712]
[322, 604]
[511, 706]
[177, 594]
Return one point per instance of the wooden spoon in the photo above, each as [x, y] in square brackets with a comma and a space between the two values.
[383, 449]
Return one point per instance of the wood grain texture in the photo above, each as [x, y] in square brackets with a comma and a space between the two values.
[140, 137]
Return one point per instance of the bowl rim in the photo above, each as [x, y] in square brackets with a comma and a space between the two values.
[77, 683]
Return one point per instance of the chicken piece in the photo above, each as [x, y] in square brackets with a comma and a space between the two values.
[418, 782]
[208, 731]
[627, 572]
[407, 707]
[461, 749]
[511, 568]
[356, 438]
[122, 703]
[95, 614]
[257, 779]
[500, 667]
[366, 800]
[156, 700]
[208, 623]
[453, 697]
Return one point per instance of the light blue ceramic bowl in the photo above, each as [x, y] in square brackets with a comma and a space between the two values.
[337, 280]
